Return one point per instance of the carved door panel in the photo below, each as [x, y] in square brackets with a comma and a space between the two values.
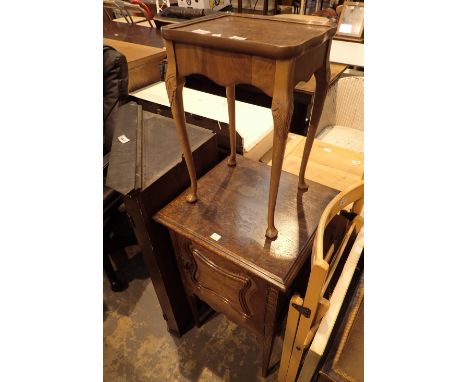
[225, 286]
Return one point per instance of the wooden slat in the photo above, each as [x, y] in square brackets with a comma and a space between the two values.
[332, 156]
[291, 143]
[140, 20]
[328, 164]
[289, 336]
[315, 352]
[312, 297]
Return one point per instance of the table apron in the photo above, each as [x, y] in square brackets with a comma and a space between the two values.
[311, 61]
[228, 68]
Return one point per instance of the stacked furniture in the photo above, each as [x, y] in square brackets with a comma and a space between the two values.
[229, 42]
[216, 225]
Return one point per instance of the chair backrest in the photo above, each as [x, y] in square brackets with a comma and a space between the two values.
[136, 8]
[344, 104]
[112, 10]
[354, 196]
[305, 314]
[325, 264]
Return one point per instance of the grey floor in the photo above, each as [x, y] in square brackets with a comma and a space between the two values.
[138, 347]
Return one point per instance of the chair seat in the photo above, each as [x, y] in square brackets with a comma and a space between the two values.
[343, 136]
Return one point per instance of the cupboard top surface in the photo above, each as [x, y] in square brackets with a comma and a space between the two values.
[230, 218]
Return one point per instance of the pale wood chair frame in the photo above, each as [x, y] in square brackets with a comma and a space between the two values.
[304, 314]
[322, 337]
[126, 9]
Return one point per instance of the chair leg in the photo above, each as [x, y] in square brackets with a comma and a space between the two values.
[231, 99]
[289, 336]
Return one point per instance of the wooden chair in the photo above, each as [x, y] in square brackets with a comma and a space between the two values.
[137, 11]
[112, 10]
[304, 314]
[134, 12]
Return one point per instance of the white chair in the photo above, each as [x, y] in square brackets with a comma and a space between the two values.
[342, 121]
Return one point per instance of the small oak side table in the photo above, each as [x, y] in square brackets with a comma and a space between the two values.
[269, 53]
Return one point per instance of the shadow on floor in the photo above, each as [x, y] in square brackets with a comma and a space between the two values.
[138, 347]
[131, 268]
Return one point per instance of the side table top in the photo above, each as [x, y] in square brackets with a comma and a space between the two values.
[254, 35]
[233, 204]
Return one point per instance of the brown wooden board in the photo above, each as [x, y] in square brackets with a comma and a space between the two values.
[330, 165]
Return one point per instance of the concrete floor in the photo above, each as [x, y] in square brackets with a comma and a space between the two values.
[138, 347]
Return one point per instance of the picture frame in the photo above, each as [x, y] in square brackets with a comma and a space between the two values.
[351, 21]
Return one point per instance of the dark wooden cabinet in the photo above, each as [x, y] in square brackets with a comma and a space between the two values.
[221, 250]
[149, 183]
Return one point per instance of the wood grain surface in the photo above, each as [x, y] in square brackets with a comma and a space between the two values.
[232, 204]
[330, 165]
